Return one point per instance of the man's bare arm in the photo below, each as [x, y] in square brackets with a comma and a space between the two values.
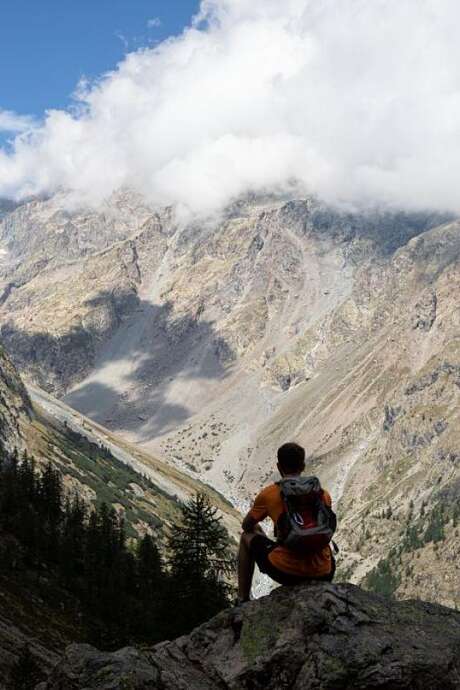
[249, 523]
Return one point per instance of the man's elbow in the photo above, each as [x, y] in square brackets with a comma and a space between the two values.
[248, 524]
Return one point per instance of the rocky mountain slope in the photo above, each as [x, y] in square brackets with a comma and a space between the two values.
[35, 610]
[212, 343]
[15, 405]
[95, 463]
[318, 637]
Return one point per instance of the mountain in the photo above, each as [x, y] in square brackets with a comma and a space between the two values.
[210, 343]
[95, 463]
[15, 405]
[37, 612]
[6, 206]
[318, 636]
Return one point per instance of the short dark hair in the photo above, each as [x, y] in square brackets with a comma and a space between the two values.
[291, 458]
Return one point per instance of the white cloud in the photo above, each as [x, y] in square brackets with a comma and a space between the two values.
[154, 23]
[14, 123]
[358, 100]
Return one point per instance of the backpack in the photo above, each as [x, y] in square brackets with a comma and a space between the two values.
[307, 523]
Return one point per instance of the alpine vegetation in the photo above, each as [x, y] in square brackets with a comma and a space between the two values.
[119, 590]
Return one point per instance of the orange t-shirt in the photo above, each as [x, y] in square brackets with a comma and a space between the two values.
[269, 503]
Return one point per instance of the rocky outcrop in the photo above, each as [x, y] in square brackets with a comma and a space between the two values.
[314, 637]
[15, 403]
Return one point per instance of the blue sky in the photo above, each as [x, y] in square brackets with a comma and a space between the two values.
[47, 45]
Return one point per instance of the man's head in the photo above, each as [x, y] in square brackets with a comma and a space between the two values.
[291, 459]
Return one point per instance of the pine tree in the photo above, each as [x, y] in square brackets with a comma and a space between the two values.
[150, 567]
[72, 552]
[152, 602]
[50, 493]
[10, 492]
[199, 562]
[50, 505]
[27, 478]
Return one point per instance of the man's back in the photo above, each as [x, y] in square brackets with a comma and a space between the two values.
[269, 503]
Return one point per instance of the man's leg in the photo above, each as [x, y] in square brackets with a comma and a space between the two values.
[246, 563]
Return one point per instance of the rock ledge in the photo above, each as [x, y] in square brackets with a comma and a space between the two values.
[314, 637]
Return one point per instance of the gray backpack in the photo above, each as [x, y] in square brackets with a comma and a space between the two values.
[307, 523]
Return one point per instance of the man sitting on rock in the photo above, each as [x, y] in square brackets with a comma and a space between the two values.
[304, 524]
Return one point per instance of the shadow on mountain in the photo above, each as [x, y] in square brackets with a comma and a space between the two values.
[386, 229]
[145, 361]
[146, 418]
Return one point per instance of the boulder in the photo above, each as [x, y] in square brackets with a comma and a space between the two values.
[313, 637]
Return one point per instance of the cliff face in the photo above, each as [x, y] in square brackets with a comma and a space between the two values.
[315, 637]
[214, 343]
[15, 404]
